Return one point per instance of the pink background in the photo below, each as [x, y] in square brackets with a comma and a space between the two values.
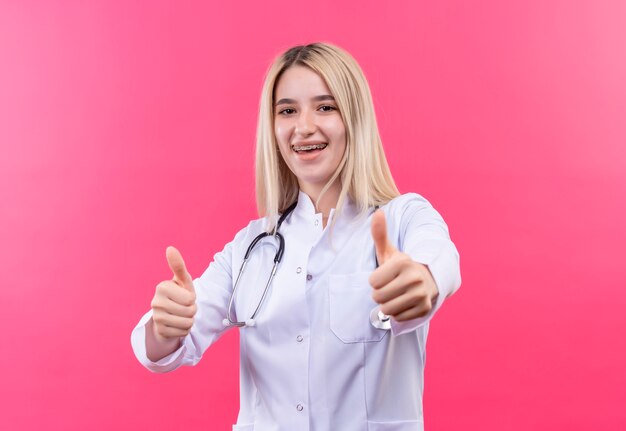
[129, 126]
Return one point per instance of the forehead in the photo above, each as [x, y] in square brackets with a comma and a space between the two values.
[300, 82]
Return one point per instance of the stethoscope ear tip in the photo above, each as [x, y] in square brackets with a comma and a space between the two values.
[250, 322]
[225, 322]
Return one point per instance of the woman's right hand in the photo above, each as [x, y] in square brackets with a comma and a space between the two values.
[174, 302]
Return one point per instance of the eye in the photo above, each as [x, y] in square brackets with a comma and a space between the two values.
[286, 111]
[327, 108]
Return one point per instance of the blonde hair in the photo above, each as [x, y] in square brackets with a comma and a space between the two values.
[363, 171]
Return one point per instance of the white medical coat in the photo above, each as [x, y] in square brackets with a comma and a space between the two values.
[313, 361]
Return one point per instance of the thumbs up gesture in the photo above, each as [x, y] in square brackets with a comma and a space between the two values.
[174, 302]
[404, 288]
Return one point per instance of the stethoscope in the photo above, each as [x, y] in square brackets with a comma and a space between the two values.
[377, 318]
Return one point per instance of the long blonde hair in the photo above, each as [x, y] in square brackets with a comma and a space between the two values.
[363, 171]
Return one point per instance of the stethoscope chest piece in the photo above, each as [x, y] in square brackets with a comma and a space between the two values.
[379, 320]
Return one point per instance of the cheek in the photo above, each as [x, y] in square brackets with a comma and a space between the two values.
[340, 136]
[277, 132]
[282, 138]
[278, 135]
[338, 129]
[281, 130]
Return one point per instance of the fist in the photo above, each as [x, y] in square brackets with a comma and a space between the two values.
[174, 302]
[405, 289]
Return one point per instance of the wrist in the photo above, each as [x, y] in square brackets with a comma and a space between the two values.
[157, 346]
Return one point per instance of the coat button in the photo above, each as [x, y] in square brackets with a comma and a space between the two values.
[299, 407]
[298, 270]
[299, 338]
[309, 277]
[317, 222]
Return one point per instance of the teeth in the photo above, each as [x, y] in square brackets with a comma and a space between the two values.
[310, 147]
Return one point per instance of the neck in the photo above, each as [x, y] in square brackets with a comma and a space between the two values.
[327, 201]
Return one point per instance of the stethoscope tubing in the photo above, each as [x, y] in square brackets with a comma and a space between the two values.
[228, 321]
[378, 319]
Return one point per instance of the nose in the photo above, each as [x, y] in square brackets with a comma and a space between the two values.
[305, 124]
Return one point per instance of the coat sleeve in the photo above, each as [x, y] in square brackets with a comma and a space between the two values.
[213, 289]
[421, 233]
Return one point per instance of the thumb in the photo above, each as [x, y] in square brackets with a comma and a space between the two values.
[384, 248]
[177, 265]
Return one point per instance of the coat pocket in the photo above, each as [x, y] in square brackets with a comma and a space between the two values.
[350, 302]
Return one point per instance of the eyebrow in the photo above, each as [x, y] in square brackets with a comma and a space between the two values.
[315, 99]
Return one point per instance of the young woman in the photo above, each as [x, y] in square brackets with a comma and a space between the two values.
[333, 332]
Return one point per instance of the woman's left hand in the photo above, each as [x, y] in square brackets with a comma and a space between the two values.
[404, 288]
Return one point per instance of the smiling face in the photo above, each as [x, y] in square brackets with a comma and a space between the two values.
[308, 127]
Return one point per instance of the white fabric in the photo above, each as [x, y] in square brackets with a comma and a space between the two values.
[313, 361]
